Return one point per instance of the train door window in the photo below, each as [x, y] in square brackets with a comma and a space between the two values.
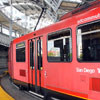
[39, 53]
[60, 46]
[20, 52]
[88, 42]
[32, 54]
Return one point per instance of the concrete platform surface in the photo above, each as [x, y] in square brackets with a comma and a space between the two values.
[14, 92]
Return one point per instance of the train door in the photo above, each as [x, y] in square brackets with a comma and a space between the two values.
[35, 59]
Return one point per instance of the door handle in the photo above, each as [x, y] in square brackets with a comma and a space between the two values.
[32, 67]
[45, 74]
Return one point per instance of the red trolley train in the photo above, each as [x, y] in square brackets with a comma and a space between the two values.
[62, 59]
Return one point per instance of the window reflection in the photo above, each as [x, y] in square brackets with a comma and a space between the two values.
[60, 46]
[88, 42]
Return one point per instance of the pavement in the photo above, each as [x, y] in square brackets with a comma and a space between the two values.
[14, 92]
[8, 91]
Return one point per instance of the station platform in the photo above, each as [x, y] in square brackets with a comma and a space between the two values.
[4, 95]
[8, 91]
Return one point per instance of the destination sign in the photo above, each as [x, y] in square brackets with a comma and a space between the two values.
[20, 45]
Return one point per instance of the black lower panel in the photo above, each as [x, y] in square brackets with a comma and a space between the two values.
[46, 92]
[6, 84]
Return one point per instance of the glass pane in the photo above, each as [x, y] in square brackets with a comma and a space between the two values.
[39, 54]
[60, 46]
[31, 54]
[20, 55]
[20, 52]
[88, 42]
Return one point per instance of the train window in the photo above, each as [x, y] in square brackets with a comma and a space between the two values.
[20, 52]
[39, 53]
[88, 42]
[32, 54]
[60, 46]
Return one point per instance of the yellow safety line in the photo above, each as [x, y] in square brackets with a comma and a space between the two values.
[4, 95]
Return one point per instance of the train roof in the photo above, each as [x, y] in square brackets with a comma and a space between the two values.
[81, 9]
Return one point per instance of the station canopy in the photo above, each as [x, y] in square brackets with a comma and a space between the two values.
[53, 9]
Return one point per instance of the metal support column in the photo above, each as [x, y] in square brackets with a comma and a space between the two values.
[1, 29]
[10, 23]
[15, 33]
[25, 22]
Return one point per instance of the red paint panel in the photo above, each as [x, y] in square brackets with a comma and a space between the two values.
[22, 73]
[95, 84]
[68, 92]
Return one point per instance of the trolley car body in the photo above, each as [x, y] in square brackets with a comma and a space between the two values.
[63, 58]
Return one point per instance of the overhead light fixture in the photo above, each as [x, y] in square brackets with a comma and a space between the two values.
[6, 4]
[68, 4]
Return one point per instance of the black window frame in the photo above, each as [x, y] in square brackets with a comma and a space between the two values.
[21, 48]
[71, 41]
[31, 54]
[91, 22]
[40, 60]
